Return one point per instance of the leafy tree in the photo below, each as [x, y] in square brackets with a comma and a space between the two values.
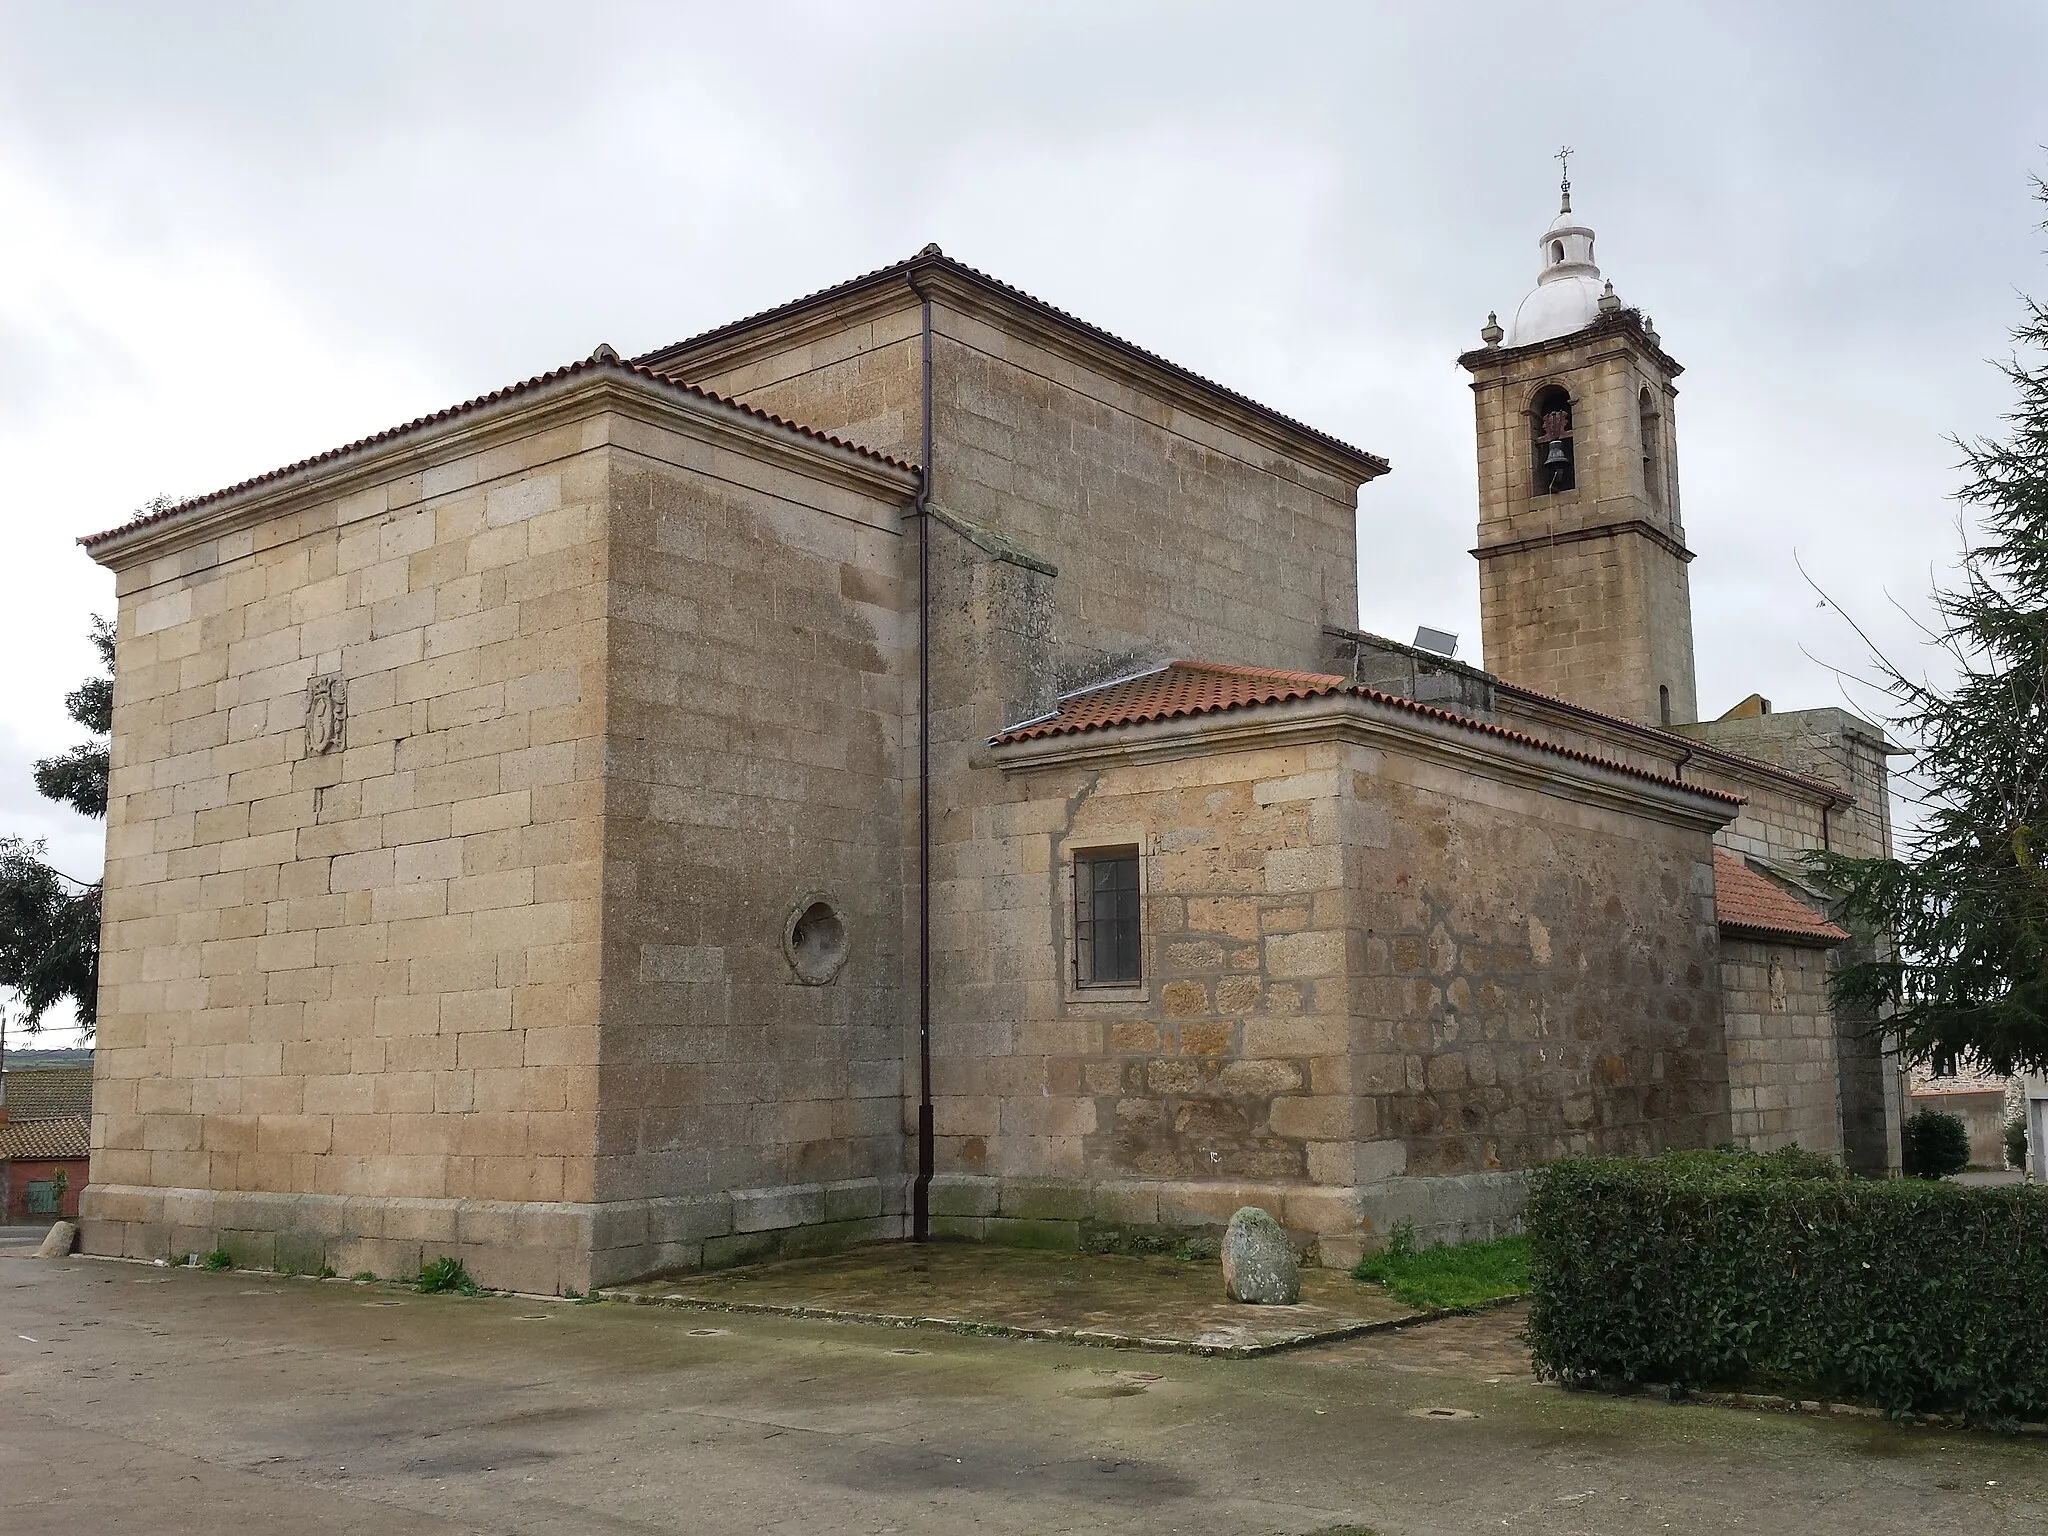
[49, 922]
[1967, 908]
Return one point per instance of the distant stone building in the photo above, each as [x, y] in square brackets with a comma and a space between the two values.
[607, 826]
[1982, 1101]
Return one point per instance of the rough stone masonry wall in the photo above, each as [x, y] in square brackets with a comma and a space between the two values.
[1376, 989]
[1782, 1072]
[1834, 746]
[760, 669]
[1172, 534]
[348, 1000]
[1538, 976]
[1221, 1080]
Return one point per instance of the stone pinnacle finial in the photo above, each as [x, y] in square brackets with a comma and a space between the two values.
[1491, 333]
[1610, 301]
[932, 250]
[605, 353]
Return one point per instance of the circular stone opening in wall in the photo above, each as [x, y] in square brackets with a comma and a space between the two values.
[814, 939]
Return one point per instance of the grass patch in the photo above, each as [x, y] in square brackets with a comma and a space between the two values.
[439, 1276]
[1434, 1278]
[219, 1259]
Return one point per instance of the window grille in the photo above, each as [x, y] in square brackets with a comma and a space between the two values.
[1106, 937]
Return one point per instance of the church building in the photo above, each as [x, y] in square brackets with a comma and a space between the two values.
[909, 763]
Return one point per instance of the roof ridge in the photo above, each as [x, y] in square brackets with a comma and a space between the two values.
[1233, 669]
[477, 402]
[932, 257]
[1712, 749]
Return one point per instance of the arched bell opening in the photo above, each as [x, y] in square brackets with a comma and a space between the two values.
[1553, 462]
[1650, 428]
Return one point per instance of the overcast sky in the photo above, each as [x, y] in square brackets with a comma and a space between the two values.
[231, 236]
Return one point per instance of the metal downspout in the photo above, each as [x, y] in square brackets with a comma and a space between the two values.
[921, 1187]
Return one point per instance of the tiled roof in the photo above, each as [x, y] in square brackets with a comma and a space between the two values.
[1170, 692]
[932, 257]
[1688, 745]
[66, 1136]
[45, 1092]
[591, 364]
[1180, 689]
[1748, 904]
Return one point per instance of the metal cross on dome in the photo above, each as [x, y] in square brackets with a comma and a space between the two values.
[1564, 157]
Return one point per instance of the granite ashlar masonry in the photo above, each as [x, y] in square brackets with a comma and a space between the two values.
[1783, 1079]
[514, 849]
[352, 988]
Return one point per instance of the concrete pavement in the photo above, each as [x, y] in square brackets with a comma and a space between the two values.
[140, 1399]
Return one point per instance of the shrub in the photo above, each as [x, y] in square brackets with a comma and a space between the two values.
[2016, 1142]
[446, 1274]
[1933, 1145]
[220, 1258]
[1721, 1269]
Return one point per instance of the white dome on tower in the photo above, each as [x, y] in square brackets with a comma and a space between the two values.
[1568, 289]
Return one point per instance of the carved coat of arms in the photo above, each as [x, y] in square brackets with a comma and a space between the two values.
[326, 714]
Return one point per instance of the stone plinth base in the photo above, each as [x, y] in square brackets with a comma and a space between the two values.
[1334, 1224]
[543, 1247]
[552, 1247]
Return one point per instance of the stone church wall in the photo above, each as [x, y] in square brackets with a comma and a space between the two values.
[1376, 991]
[349, 998]
[618, 677]
[1782, 1073]
[1834, 746]
[853, 375]
[1175, 533]
[761, 640]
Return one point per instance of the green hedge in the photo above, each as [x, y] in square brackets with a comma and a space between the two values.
[1775, 1273]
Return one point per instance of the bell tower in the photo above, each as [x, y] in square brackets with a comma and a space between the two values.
[1582, 558]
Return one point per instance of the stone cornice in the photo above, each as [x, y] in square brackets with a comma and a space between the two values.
[572, 396]
[1635, 525]
[1621, 331]
[1367, 722]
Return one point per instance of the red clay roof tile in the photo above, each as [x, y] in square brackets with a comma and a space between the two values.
[44, 1093]
[1180, 689]
[66, 1136]
[1746, 903]
[451, 412]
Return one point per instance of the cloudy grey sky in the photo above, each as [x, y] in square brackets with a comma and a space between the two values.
[231, 236]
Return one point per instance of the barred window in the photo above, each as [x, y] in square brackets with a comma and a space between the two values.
[1106, 917]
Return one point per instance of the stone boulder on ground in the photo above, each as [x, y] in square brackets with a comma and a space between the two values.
[1259, 1265]
[59, 1241]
